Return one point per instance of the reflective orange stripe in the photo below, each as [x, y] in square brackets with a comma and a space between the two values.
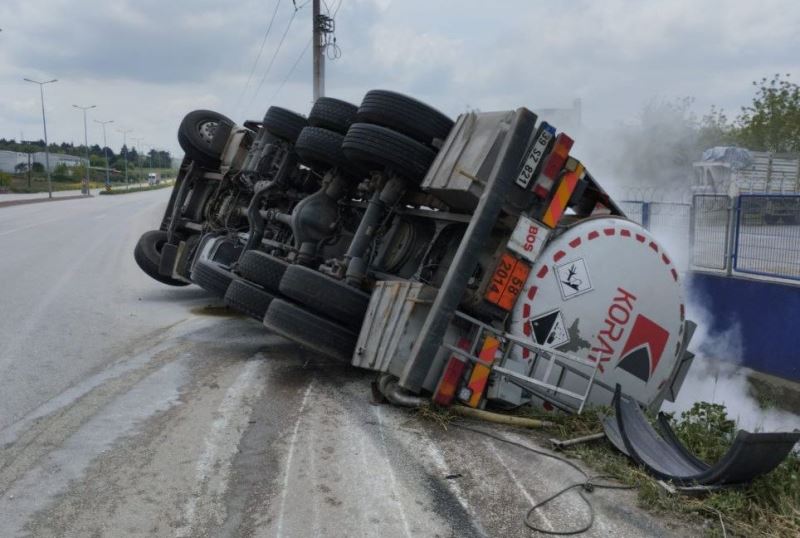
[560, 199]
[480, 372]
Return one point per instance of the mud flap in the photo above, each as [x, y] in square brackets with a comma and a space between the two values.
[750, 455]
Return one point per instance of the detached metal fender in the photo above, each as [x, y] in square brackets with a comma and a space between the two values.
[750, 455]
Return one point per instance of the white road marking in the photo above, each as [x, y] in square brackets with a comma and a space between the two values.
[29, 226]
[221, 444]
[438, 459]
[289, 458]
[392, 478]
[517, 482]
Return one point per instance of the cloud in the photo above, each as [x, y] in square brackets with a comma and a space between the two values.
[145, 63]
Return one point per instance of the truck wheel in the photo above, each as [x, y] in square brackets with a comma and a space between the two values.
[404, 114]
[374, 147]
[248, 299]
[284, 123]
[147, 254]
[326, 296]
[263, 269]
[211, 277]
[332, 114]
[311, 331]
[321, 149]
[202, 135]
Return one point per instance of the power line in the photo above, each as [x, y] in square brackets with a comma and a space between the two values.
[289, 74]
[272, 60]
[258, 56]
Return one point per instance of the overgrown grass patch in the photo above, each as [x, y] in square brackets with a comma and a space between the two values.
[769, 506]
[162, 185]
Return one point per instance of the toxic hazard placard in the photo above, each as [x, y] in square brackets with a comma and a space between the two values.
[573, 278]
[549, 329]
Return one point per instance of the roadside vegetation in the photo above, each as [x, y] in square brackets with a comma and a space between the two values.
[138, 188]
[768, 507]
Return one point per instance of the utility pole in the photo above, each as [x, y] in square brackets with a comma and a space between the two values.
[319, 57]
[85, 187]
[125, 145]
[105, 149]
[46, 144]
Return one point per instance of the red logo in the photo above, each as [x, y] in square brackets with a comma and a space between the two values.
[644, 348]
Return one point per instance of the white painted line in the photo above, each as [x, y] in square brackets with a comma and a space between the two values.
[289, 458]
[517, 482]
[29, 226]
[221, 443]
[392, 478]
[438, 459]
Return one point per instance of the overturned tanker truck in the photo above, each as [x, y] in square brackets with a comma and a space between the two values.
[474, 261]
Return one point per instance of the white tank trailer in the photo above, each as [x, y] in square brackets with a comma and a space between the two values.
[552, 297]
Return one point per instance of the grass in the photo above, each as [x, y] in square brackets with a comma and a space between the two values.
[769, 506]
[120, 190]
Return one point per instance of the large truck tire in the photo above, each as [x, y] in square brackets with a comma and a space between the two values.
[404, 114]
[284, 123]
[202, 135]
[375, 148]
[147, 254]
[332, 114]
[321, 149]
[310, 330]
[326, 296]
[212, 277]
[262, 269]
[248, 299]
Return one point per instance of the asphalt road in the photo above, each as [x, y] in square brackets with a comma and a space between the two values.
[129, 408]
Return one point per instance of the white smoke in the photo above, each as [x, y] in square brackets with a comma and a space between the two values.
[718, 377]
[650, 160]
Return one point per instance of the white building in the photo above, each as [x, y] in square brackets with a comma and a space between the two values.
[10, 159]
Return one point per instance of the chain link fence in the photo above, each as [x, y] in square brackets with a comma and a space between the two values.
[710, 229]
[668, 221]
[767, 235]
[752, 233]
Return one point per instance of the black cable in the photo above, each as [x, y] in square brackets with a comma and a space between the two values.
[588, 484]
[272, 60]
[289, 74]
[258, 56]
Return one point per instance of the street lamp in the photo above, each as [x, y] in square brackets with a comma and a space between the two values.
[85, 189]
[138, 146]
[125, 145]
[44, 124]
[105, 148]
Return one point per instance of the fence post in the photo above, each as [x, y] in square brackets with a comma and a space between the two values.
[646, 215]
[692, 210]
[731, 233]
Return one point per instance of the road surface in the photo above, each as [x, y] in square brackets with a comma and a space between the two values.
[130, 408]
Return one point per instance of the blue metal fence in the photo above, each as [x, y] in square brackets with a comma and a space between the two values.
[767, 235]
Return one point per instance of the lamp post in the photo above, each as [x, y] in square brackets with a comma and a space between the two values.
[138, 146]
[44, 124]
[125, 145]
[85, 189]
[105, 149]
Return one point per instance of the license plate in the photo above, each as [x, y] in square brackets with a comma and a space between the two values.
[507, 281]
[528, 172]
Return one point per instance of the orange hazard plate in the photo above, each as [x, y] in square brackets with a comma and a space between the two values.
[507, 281]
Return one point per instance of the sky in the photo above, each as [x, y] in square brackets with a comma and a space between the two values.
[146, 63]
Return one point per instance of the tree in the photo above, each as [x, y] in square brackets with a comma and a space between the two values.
[772, 121]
